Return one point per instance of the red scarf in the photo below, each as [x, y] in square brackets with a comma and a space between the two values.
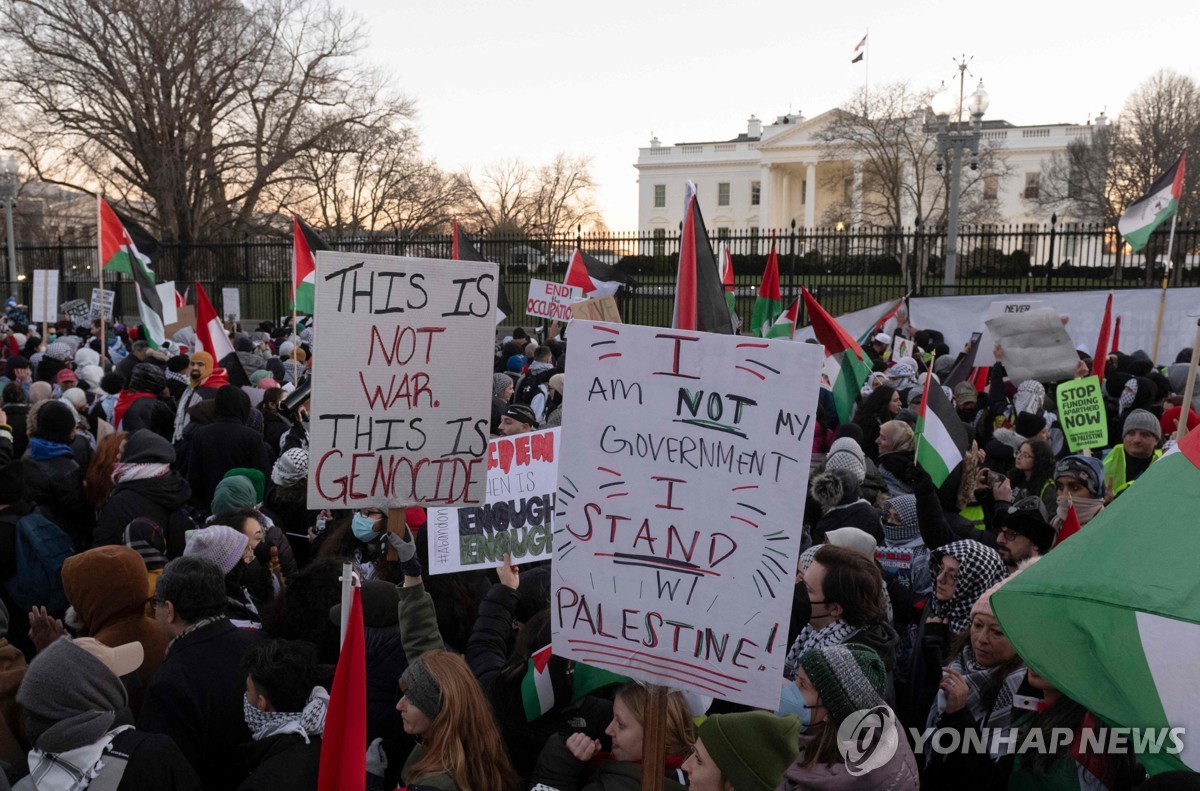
[124, 401]
[218, 378]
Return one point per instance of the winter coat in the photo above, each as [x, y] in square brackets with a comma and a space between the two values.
[152, 413]
[55, 486]
[196, 699]
[859, 513]
[275, 426]
[419, 631]
[898, 774]
[18, 419]
[161, 499]
[153, 761]
[386, 662]
[559, 769]
[216, 449]
[108, 588]
[282, 761]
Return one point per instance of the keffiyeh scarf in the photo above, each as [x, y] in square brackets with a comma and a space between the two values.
[809, 638]
[309, 722]
[979, 569]
[984, 686]
[70, 770]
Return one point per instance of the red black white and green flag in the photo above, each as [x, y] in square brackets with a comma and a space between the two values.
[1158, 205]
[1111, 617]
[699, 296]
[769, 302]
[727, 282]
[596, 278]
[537, 689]
[785, 325]
[463, 250]
[305, 244]
[876, 328]
[845, 363]
[127, 247]
[942, 438]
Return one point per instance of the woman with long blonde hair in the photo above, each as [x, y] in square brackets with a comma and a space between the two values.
[459, 747]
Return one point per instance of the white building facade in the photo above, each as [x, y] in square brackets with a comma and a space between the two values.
[774, 174]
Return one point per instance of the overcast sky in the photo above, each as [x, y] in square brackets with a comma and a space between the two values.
[530, 78]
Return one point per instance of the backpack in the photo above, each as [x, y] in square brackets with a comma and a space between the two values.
[532, 384]
[41, 549]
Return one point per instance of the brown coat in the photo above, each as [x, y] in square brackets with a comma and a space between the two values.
[108, 588]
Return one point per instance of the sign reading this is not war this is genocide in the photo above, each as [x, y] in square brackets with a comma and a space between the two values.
[678, 526]
[1081, 413]
[402, 373]
[517, 519]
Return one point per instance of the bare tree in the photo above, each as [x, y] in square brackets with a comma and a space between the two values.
[1076, 182]
[510, 196]
[189, 111]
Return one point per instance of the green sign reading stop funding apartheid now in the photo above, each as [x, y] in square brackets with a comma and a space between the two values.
[1081, 413]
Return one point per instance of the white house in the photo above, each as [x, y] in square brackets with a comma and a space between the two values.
[773, 174]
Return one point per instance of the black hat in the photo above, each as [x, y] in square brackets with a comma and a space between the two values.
[1027, 517]
[55, 422]
[521, 414]
[15, 362]
[1028, 424]
[146, 447]
[147, 378]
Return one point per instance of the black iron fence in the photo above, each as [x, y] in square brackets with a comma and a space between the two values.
[847, 268]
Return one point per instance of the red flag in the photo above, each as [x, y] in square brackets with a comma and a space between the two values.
[209, 328]
[1117, 336]
[344, 744]
[1070, 526]
[454, 253]
[1101, 356]
[699, 296]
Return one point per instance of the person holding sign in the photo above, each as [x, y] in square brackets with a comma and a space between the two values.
[570, 765]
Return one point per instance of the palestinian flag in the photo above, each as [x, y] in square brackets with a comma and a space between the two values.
[878, 326]
[1158, 205]
[785, 325]
[343, 762]
[699, 297]
[942, 438]
[1100, 358]
[537, 690]
[305, 243]
[845, 363]
[770, 301]
[209, 329]
[463, 250]
[126, 247]
[728, 284]
[1113, 619]
[859, 50]
[596, 278]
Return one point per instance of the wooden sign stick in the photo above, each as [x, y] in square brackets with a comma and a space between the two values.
[654, 738]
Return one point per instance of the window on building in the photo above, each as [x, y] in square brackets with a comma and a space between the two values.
[991, 187]
[660, 196]
[1032, 182]
[723, 193]
[755, 193]
[660, 241]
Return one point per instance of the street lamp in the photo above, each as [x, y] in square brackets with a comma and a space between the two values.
[951, 145]
[9, 184]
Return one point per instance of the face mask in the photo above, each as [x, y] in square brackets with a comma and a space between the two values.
[792, 702]
[363, 528]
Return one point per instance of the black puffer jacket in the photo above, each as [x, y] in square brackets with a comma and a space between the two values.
[225, 443]
[55, 486]
[161, 499]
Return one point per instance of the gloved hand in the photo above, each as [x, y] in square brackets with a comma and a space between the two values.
[377, 761]
[918, 479]
[406, 551]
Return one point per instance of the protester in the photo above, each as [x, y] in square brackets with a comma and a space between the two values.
[744, 751]
[225, 443]
[1125, 463]
[1079, 483]
[145, 486]
[517, 419]
[196, 696]
[53, 479]
[879, 407]
[832, 683]
[204, 382]
[77, 721]
[139, 406]
[895, 453]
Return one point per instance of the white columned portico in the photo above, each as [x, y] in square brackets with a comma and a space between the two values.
[810, 195]
[785, 202]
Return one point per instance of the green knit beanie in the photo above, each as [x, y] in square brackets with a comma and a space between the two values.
[232, 494]
[848, 678]
[752, 749]
[256, 478]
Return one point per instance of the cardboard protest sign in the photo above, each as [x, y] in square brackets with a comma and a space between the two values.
[680, 489]
[1036, 345]
[549, 300]
[402, 385]
[166, 295]
[45, 296]
[186, 316]
[597, 309]
[109, 299]
[522, 476]
[1081, 413]
[231, 304]
[78, 311]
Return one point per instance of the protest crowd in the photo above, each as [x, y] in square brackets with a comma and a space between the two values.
[172, 604]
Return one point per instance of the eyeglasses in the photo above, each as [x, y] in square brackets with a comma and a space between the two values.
[1008, 534]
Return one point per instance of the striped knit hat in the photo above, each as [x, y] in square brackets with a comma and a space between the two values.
[848, 678]
[220, 544]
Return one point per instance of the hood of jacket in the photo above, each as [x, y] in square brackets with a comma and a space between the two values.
[105, 585]
[169, 491]
[1009, 437]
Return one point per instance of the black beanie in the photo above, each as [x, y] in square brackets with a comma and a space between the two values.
[146, 447]
[178, 364]
[55, 422]
[147, 378]
[1027, 518]
[1028, 424]
[243, 344]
